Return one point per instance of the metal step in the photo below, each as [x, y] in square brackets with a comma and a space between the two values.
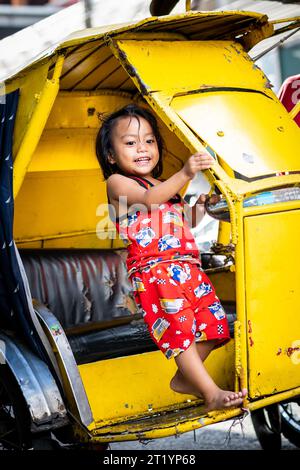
[140, 426]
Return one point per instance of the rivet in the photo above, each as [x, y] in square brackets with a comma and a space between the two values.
[220, 133]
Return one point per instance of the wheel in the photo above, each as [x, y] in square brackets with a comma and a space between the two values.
[15, 421]
[14, 417]
[267, 425]
[290, 421]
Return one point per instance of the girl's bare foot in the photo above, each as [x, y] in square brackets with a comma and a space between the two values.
[192, 378]
[179, 385]
[219, 400]
[224, 399]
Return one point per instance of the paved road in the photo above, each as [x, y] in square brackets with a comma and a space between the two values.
[213, 437]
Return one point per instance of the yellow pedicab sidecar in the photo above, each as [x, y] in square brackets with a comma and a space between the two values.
[208, 93]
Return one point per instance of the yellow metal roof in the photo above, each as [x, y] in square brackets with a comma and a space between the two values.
[86, 44]
[275, 11]
[194, 25]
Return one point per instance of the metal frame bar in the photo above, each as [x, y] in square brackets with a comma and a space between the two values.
[36, 125]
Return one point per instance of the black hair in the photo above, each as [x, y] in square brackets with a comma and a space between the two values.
[103, 140]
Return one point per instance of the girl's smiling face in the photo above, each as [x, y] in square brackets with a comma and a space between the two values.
[135, 149]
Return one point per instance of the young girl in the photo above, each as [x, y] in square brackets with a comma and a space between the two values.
[178, 302]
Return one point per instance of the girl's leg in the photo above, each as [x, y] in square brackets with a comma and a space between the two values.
[178, 383]
[191, 367]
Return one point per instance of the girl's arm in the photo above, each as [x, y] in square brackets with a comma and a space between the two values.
[119, 185]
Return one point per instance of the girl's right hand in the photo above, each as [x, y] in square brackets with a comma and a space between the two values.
[198, 161]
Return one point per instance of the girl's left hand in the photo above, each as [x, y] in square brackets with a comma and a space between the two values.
[210, 199]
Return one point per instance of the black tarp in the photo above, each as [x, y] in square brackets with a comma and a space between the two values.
[16, 310]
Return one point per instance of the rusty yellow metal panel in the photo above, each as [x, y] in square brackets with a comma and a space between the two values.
[65, 149]
[204, 107]
[90, 107]
[252, 133]
[272, 277]
[77, 241]
[139, 384]
[58, 204]
[191, 65]
[224, 283]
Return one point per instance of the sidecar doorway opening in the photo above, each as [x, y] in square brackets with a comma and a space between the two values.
[74, 262]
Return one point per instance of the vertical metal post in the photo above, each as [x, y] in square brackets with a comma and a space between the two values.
[36, 125]
[88, 13]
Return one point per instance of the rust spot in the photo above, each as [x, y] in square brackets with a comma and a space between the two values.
[268, 84]
[236, 49]
[249, 326]
[91, 111]
[227, 58]
[279, 352]
[251, 341]
[290, 351]
[122, 54]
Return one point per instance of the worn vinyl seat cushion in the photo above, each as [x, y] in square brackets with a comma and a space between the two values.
[79, 287]
[89, 293]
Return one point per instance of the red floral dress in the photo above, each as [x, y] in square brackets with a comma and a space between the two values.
[176, 298]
